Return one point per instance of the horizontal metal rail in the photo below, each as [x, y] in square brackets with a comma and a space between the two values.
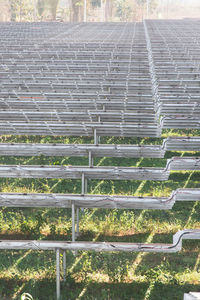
[97, 201]
[109, 172]
[102, 150]
[192, 296]
[80, 129]
[76, 172]
[78, 116]
[86, 128]
[176, 246]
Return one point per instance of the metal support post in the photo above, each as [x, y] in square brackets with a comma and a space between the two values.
[77, 221]
[73, 222]
[95, 137]
[58, 274]
[64, 265]
[98, 137]
[86, 185]
[83, 184]
[91, 161]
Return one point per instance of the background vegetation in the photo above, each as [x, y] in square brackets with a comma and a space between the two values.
[97, 10]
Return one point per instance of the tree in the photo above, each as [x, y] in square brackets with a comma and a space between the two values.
[47, 6]
[96, 3]
[77, 11]
[151, 5]
[123, 10]
[4, 11]
[21, 10]
[134, 10]
[41, 7]
[108, 10]
[53, 7]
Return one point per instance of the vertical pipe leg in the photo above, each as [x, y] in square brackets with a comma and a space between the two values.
[90, 159]
[77, 221]
[95, 137]
[58, 274]
[86, 185]
[64, 265]
[83, 184]
[73, 222]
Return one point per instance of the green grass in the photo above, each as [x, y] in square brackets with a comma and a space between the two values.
[138, 276]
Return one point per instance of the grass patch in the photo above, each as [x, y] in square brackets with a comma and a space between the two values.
[145, 276]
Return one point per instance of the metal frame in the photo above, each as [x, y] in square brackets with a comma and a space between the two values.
[98, 246]
[192, 296]
[125, 80]
[76, 201]
[102, 150]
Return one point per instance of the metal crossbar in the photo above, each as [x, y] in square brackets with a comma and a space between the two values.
[59, 246]
[102, 150]
[97, 201]
[192, 296]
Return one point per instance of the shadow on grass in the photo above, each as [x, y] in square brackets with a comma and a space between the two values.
[45, 290]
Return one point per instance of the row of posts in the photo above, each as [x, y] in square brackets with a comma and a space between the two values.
[75, 224]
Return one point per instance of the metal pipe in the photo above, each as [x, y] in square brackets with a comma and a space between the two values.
[73, 221]
[83, 184]
[86, 185]
[90, 159]
[77, 222]
[64, 265]
[58, 274]
[95, 137]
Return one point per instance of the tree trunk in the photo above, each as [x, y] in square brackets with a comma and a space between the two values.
[5, 11]
[108, 10]
[75, 11]
[107, 4]
[53, 7]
